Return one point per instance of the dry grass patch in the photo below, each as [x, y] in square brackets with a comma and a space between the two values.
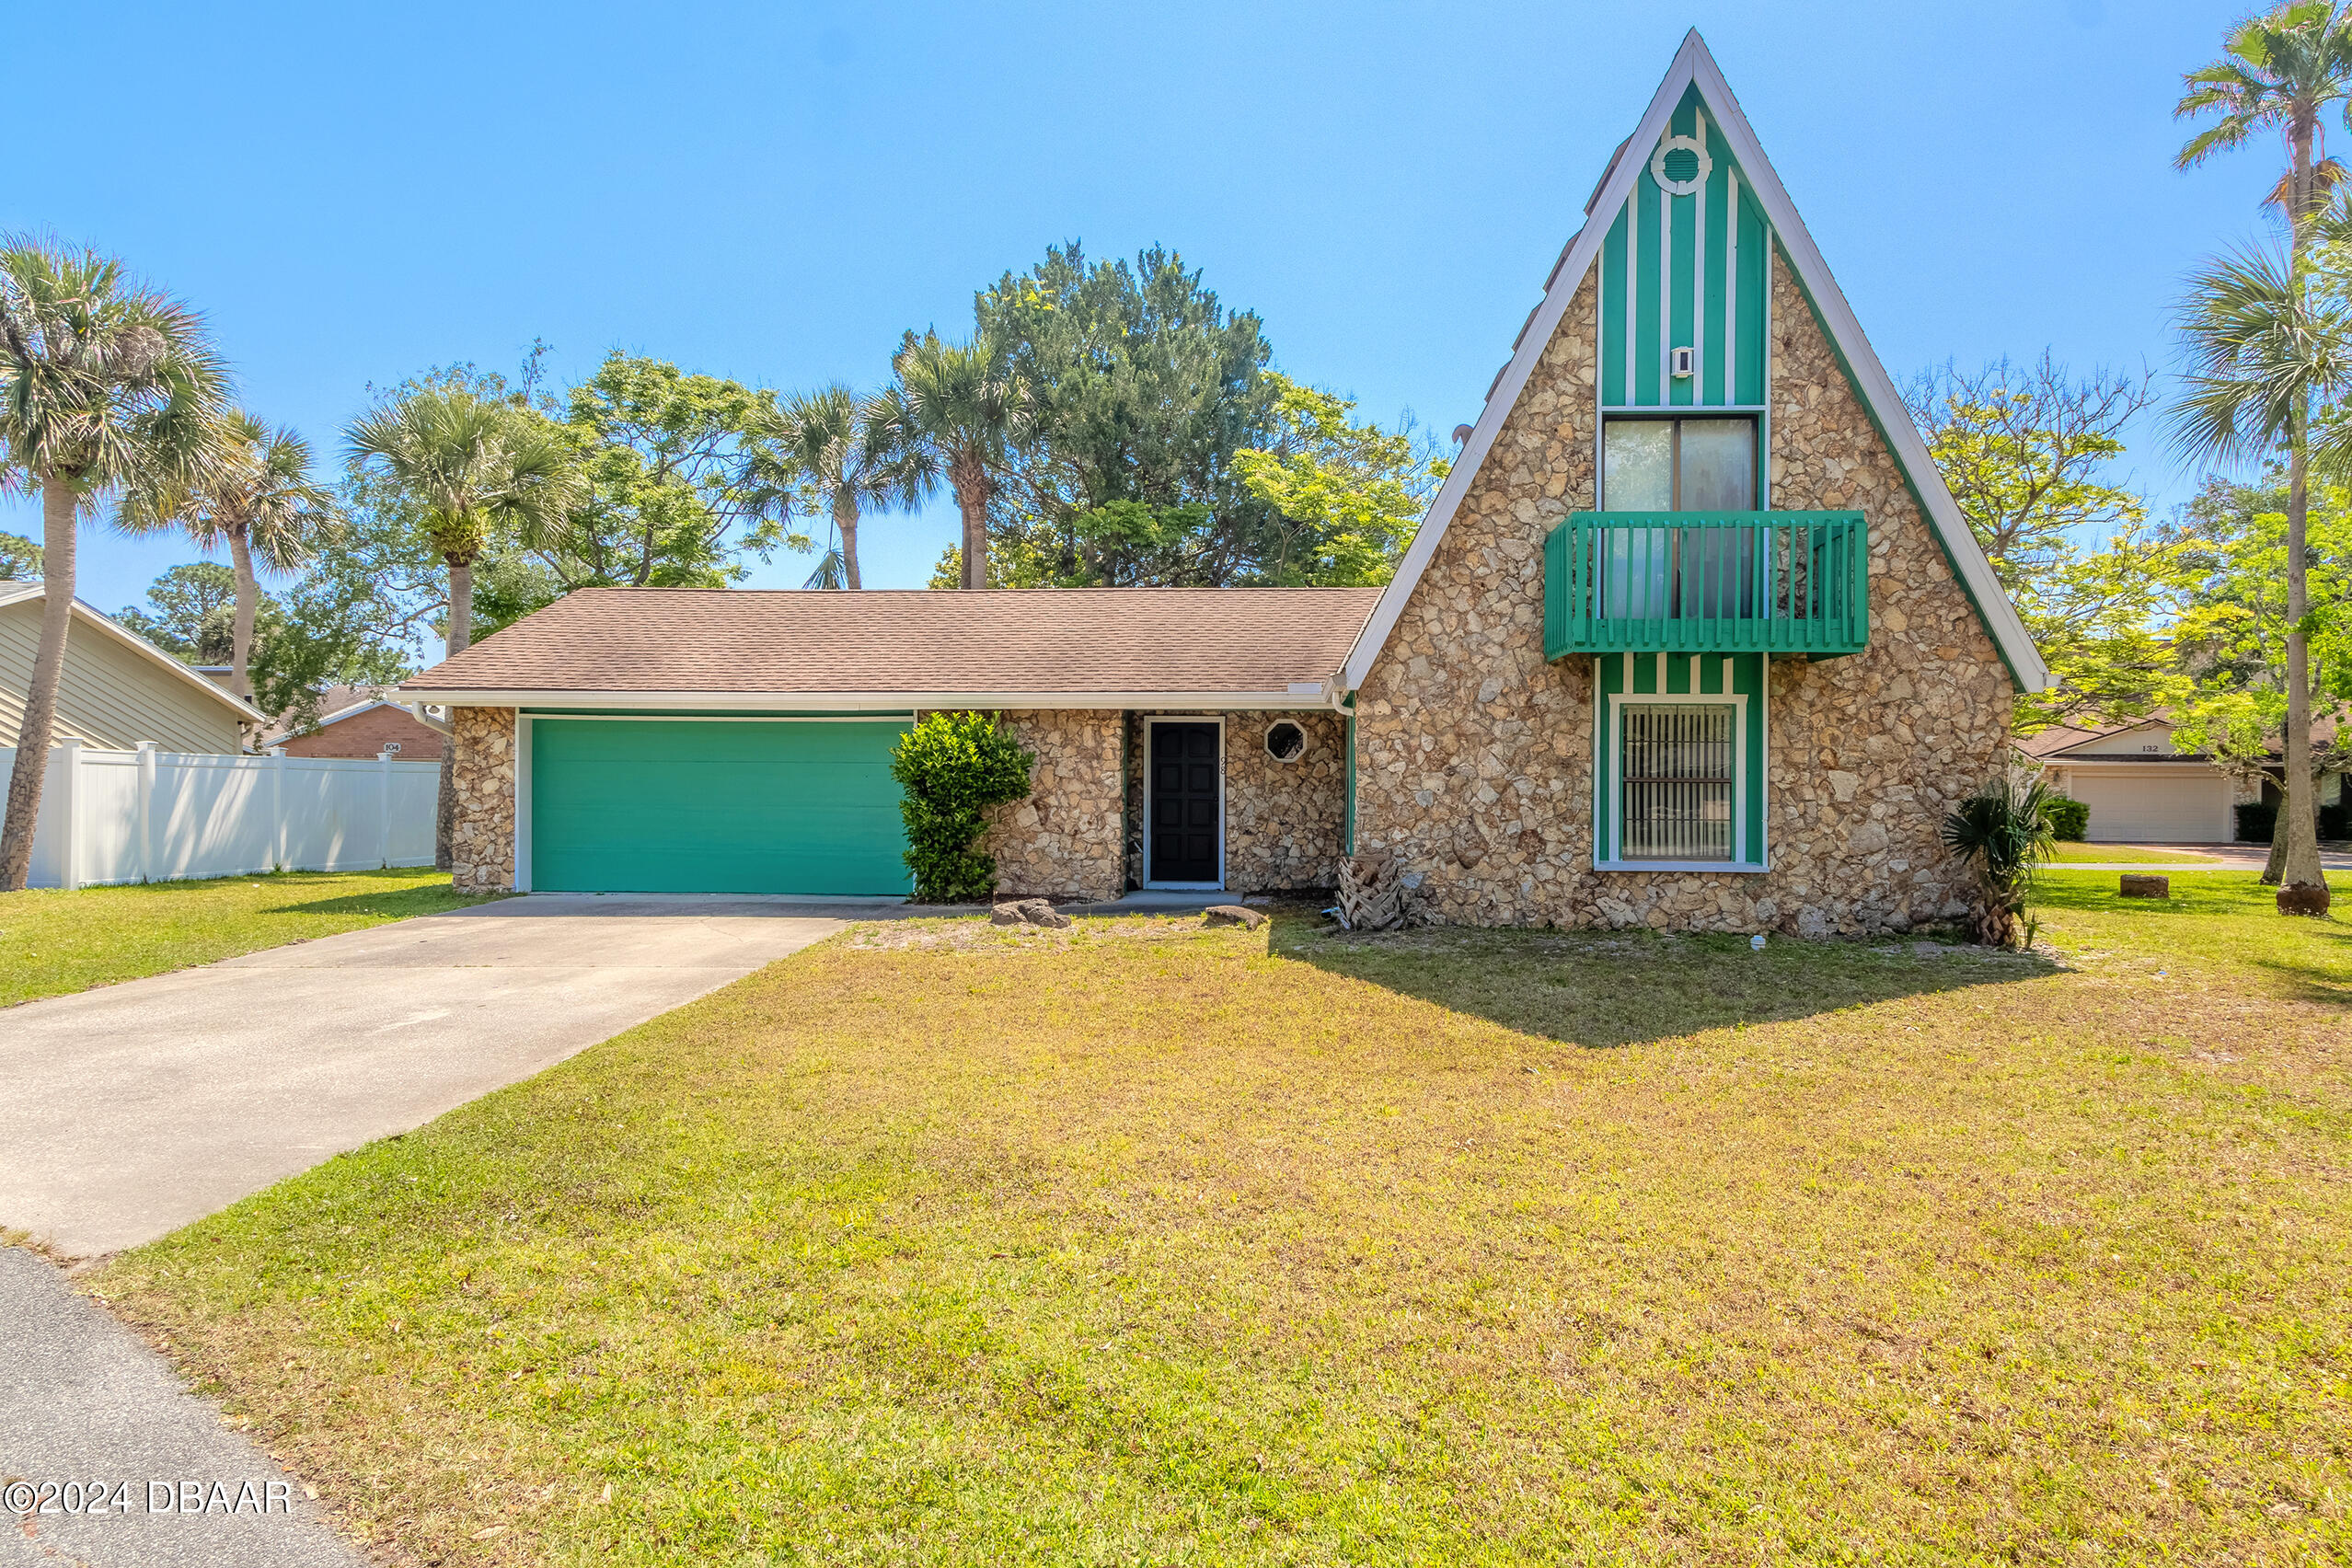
[1218, 1247]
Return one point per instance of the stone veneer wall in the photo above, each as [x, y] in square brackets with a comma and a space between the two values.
[1475, 756]
[1063, 841]
[482, 774]
[1284, 821]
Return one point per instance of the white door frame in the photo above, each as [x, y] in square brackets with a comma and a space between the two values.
[1217, 720]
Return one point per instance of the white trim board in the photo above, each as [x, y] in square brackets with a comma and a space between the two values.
[1693, 65]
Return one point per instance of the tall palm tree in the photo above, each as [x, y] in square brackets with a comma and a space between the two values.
[257, 497]
[104, 382]
[954, 412]
[470, 464]
[2256, 365]
[831, 445]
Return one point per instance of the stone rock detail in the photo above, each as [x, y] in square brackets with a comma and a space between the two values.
[481, 775]
[2135, 886]
[1285, 822]
[1232, 914]
[1029, 911]
[1063, 841]
[1475, 756]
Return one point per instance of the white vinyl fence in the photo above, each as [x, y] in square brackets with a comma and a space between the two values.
[146, 815]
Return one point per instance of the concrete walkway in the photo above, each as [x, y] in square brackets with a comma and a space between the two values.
[136, 1108]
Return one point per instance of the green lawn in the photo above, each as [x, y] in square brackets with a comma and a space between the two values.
[2124, 854]
[1145, 1244]
[54, 942]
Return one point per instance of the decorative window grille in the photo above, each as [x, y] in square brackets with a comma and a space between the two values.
[1675, 781]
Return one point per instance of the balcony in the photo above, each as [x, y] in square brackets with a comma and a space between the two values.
[1707, 583]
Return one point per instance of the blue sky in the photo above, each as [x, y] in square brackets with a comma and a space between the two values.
[772, 192]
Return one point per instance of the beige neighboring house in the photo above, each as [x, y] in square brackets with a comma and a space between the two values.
[2141, 786]
[117, 690]
[1693, 637]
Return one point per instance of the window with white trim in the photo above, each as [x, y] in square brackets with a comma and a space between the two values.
[1677, 777]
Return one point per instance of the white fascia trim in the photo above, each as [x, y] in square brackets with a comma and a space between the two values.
[132, 641]
[1692, 63]
[886, 702]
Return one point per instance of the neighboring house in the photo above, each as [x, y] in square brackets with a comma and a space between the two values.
[1693, 637]
[118, 688]
[360, 721]
[2142, 788]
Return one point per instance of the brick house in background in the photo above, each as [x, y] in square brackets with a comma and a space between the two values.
[361, 721]
[1693, 637]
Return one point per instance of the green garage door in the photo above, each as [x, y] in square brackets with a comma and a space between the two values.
[677, 805]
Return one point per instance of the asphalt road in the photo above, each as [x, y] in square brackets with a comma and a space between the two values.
[134, 1109]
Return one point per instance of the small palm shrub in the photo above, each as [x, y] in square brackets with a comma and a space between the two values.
[2002, 832]
[950, 769]
[2069, 819]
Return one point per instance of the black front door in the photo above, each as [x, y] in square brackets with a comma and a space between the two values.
[1185, 822]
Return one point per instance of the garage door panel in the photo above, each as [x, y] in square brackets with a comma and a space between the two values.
[710, 806]
[2142, 808]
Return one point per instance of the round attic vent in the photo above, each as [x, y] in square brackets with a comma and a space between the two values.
[1680, 165]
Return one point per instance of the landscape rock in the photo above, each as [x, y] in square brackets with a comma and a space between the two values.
[1029, 911]
[2136, 886]
[1232, 914]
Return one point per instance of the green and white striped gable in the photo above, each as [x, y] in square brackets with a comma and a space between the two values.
[1686, 230]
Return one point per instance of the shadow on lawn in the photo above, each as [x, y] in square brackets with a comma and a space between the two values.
[1628, 988]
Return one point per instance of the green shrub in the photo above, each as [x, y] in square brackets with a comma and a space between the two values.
[2257, 820]
[950, 769]
[2070, 820]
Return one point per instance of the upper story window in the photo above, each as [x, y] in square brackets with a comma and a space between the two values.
[1677, 465]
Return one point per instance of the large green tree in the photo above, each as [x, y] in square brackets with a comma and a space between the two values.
[1345, 499]
[104, 383]
[20, 558]
[191, 613]
[671, 500]
[2028, 452]
[255, 497]
[2263, 351]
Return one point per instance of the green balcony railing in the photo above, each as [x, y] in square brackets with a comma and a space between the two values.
[1707, 582]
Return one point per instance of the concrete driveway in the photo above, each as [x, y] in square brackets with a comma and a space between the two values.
[134, 1109]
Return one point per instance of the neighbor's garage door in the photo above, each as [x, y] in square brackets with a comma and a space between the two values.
[622, 805]
[2155, 808]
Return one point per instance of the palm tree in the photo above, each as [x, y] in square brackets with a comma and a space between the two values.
[103, 383]
[953, 411]
[831, 441]
[257, 497]
[2259, 353]
[469, 465]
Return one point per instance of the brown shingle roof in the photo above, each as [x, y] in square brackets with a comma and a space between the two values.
[1101, 642]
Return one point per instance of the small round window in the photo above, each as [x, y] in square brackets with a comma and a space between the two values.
[1286, 742]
